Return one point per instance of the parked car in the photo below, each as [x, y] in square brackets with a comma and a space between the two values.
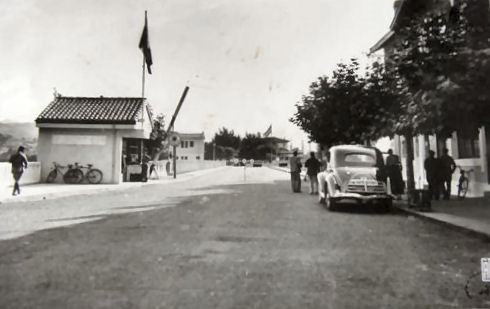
[354, 173]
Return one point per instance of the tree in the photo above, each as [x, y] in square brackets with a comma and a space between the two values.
[443, 63]
[157, 144]
[349, 108]
[226, 144]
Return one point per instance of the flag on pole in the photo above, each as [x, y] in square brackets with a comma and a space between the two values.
[145, 45]
[268, 132]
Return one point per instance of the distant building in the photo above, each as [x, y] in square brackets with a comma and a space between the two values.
[109, 133]
[191, 146]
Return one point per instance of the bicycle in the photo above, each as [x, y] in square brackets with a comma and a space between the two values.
[463, 182]
[72, 175]
[93, 175]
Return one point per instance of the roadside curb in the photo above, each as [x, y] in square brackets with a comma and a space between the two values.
[436, 218]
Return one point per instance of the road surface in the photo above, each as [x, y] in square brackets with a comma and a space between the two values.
[219, 242]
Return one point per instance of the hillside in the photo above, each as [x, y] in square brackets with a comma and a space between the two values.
[15, 134]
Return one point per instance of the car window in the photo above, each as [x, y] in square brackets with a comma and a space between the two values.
[359, 159]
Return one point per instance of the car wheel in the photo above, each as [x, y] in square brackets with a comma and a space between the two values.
[388, 205]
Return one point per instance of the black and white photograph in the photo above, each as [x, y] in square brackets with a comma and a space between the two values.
[244, 154]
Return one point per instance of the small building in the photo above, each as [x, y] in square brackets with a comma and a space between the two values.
[107, 132]
[191, 146]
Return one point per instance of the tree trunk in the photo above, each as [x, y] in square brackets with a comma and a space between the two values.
[409, 162]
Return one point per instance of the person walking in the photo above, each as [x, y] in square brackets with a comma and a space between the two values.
[394, 171]
[431, 166]
[295, 170]
[19, 164]
[312, 169]
[447, 168]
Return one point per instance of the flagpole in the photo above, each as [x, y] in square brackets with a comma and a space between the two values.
[143, 83]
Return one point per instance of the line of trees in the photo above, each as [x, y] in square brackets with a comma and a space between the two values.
[435, 83]
[226, 145]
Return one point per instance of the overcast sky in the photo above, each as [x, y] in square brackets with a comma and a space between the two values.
[247, 62]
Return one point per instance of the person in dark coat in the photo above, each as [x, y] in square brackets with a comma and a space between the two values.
[19, 164]
[312, 169]
[447, 168]
[432, 166]
[394, 171]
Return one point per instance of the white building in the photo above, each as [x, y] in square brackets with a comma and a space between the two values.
[191, 146]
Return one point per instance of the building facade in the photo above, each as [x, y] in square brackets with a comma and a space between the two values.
[109, 133]
[191, 146]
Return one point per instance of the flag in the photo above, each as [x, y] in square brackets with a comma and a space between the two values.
[268, 132]
[145, 45]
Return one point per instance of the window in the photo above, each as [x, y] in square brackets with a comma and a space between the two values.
[359, 159]
[468, 147]
[186, 144]
[198, 158]
[191, 144]
[181, 144]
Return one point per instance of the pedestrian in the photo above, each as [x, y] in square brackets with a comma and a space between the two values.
[295, 170]
[447, 168]
[312, 169]
[431, 166]
[19, 164]
[394, 171]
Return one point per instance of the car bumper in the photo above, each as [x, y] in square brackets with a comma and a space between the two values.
[360, 198]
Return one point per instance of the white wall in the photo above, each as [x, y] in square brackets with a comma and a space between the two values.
[188, 166]
[31, 175]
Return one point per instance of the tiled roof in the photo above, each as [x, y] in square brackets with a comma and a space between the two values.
[98, 110]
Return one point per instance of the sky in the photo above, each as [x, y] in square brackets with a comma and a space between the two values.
[247, 62]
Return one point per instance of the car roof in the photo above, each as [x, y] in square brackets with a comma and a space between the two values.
[352, 148]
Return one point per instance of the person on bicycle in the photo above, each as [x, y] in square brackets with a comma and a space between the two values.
[431, 165]
[447, 168]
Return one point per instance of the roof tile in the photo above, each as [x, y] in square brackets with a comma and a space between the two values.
[98, 110]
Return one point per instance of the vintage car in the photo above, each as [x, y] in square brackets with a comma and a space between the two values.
[354, 173]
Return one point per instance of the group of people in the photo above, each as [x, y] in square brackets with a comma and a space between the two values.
[438, 170]
[312, 169]
[439, 173]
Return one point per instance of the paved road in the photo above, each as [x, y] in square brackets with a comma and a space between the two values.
[227, 244]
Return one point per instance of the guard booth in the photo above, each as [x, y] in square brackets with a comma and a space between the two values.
[109, 133]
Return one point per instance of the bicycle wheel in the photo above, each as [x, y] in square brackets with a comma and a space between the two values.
[94, 176]
[463, 188]
[52, 176]
[73, 175]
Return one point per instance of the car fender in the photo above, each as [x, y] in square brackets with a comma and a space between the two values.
[331, 182]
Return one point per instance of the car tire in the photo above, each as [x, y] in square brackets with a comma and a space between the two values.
[388, 205]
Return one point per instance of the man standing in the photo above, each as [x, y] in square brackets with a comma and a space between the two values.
[431, 165]
[295, 169]
[394, 170]
[447, 168]
[312, 168]
[19, 163]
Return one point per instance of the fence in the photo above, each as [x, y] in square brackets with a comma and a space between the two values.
[31, 175]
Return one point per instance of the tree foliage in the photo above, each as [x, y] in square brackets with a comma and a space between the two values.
[349, 107]
[158, 136]
[443, 62]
